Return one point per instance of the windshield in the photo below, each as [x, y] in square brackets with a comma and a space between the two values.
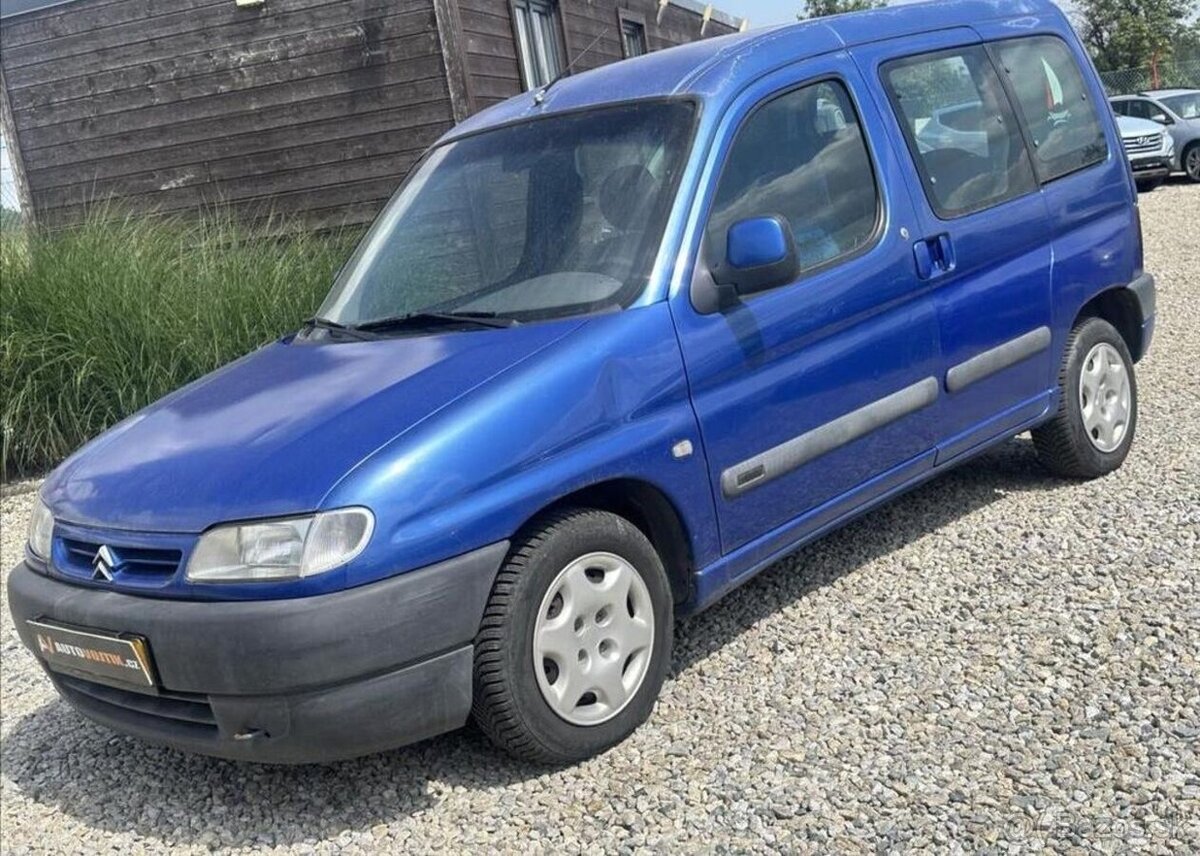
[543, 219]
[1185, 106]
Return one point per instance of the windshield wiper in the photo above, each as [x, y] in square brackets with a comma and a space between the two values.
[318, 323]
[424, 319]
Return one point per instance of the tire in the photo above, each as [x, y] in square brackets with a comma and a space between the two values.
[1151, 184]
[572, 553]
[1190, 161]
[1066, 445]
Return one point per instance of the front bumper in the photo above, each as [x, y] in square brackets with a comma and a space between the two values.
[1151, 167]
[303, 680]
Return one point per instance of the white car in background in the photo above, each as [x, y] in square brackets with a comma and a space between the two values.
[1150, 149]
[1177, 113]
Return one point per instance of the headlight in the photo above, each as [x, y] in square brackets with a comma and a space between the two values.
[281, 549]
[41, 528]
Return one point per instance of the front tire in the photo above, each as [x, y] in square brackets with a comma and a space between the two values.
[1090, 434]
[1191, 161]
[575, 640]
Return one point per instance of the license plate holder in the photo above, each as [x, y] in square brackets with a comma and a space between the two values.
[120, 659]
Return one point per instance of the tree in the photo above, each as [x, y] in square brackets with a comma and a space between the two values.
[1134, 33]
[821, 8]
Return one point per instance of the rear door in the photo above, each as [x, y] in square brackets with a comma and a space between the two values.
[983, 241]
[1080, 163]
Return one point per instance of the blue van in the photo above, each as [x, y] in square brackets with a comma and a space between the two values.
[614, 347]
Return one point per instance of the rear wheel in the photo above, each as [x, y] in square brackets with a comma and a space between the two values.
[1092, 430]
[575, 640]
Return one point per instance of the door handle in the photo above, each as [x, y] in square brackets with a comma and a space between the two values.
[934, 256]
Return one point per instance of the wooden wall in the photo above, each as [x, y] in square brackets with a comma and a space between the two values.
[491, 49]
[307, 108]
[302, 107]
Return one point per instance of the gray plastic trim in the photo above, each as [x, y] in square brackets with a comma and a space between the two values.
[994, 359]
[1144, 290]
[787, 456]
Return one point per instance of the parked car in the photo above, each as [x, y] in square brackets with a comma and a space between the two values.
[1176, 110]
[613, 348]
[1151, 151]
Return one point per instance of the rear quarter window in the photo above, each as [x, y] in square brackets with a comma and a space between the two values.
[1063, 122]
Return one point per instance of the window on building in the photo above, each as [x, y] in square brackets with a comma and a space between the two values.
[633, 33]
[800, 156]
[539, 39]
[1062, 121]
[960, 129]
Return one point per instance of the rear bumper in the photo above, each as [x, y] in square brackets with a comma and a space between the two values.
[284, 681]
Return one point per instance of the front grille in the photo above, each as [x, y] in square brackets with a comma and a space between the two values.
[77, 557]
[1144, 144]
[179, 709]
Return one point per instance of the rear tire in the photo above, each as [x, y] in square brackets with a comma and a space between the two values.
[1091, 432]
[562, 673]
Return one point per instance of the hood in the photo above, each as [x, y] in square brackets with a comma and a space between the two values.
[1130, 126]
[272, 433]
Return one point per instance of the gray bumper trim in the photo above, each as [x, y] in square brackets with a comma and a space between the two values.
[1146, 292]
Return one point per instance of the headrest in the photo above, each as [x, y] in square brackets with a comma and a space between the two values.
[627, 192]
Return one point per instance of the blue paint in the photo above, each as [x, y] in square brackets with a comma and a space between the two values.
[756, 242]
[456, 437]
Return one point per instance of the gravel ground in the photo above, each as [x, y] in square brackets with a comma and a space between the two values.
[999, 661]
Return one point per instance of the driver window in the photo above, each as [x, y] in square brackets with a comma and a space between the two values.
[800, 156]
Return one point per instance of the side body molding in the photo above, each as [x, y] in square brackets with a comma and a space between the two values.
[796, 452]
[1002, 356]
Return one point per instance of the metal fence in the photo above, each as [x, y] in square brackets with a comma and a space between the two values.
[1171, 75]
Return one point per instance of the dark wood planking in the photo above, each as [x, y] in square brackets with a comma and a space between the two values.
[268, 163]
[352, 51]
[242, 57]
[220, 23]
[52, 67]
[413, 119]
[388, 166]
[317, 120]
[86, 15]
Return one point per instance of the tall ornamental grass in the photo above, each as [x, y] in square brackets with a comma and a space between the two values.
[98, 321]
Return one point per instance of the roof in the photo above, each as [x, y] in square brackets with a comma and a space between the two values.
[710, 67]
[1167, 93]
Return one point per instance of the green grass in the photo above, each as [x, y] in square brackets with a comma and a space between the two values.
[101, 320]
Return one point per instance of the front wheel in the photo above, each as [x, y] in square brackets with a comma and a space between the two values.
[1191, 161]
[576, 638]
[1090, 434]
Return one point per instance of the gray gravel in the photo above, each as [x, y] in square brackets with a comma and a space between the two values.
[999, 661]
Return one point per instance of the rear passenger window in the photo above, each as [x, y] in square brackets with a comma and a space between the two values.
[960, 129]
[1062, 121]
[801, 156]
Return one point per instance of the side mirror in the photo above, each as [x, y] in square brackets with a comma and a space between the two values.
[759, 254]
[1161, 118]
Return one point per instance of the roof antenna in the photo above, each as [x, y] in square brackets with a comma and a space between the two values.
[540, 95]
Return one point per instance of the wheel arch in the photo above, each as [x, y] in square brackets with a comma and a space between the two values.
[649, 509]
[1119, 307]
